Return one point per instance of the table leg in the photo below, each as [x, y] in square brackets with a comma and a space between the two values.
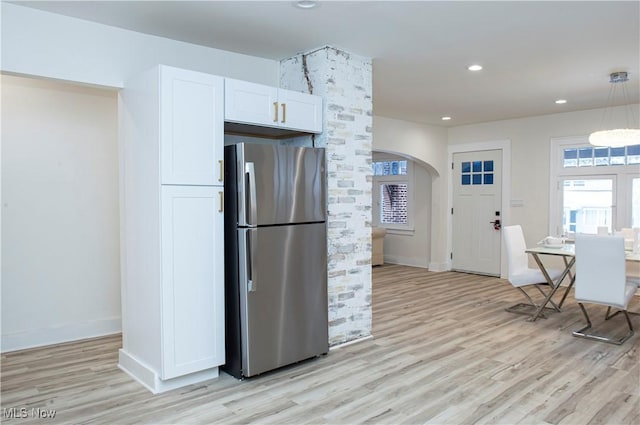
[568, 265]
[554, 286]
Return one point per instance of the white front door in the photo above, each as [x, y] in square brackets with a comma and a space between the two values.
[477, 200]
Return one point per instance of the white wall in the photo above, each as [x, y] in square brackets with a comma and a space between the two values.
[55, 46]
[428, 146]
[530, 143]
[58, 272]
[60, 224]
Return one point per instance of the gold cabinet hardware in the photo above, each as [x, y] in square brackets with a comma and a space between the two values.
[221, 177]
[284, 112]
[221, 209]
[275, 111]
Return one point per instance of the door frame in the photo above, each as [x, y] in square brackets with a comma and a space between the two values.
[505, 147]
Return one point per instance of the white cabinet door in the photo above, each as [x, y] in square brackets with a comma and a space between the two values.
[257, 104]
[192, 328]
[249, 103]
[300, 111]
[191, 127]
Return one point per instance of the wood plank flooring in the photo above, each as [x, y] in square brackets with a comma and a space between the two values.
[443, 351]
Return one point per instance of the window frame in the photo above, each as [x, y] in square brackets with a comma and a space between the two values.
[622, 179]
[379, 181]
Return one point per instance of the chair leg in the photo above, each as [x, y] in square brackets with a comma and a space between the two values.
[515, 308]
[609, 315]
[581, 332]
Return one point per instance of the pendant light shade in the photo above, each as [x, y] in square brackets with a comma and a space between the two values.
[619, 136]
[615, 138]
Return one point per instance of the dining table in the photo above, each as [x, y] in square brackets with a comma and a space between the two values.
[567, 252]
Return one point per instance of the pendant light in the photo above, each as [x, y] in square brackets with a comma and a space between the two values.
[619, 136]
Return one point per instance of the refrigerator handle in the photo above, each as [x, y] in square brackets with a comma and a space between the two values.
[250, 193]
[251, 286]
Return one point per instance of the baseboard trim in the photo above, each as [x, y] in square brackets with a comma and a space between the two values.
[440, 267]
[405, 261]
[353, 341]
[59, 334]
[149, 379]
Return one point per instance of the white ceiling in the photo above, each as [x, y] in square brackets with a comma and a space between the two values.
[532, 52]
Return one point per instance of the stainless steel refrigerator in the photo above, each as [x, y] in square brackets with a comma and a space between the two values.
[275, 256]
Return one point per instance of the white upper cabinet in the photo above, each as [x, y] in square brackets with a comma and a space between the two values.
[257, 104]
[191, 116]
[249, 103]
[300, 111]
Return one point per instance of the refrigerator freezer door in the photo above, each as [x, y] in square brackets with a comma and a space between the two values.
[280, 184]
[283, 295]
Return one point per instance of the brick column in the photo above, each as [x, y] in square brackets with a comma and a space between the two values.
[344, 81]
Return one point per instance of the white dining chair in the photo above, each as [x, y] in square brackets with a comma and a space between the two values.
[520, 274]
[600, 279]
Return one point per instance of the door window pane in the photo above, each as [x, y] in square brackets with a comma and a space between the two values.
[587, 205]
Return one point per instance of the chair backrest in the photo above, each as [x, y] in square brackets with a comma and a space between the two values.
[600, 270]
[627, 232]
[517, 258]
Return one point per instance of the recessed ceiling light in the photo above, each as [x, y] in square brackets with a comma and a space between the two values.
[561, 101]
[306, 4]
[446, 118]
[475, 68]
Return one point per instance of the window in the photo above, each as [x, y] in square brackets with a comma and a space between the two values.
[587, 204]
[635, 202]
[392, 179]
[600, 156]
[593, 186]
[393, 203]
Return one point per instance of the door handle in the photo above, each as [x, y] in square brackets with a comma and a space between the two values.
[221, 208]
[275, 111]
[284, 112]
[251, 285]
[252, 210]
[496, 224]
[221, 176]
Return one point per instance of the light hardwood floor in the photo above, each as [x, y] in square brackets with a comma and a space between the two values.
[443, 351]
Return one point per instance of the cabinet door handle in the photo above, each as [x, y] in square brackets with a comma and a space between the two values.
[221, 208]
[284, 112]
[221, 163]
[275, 111]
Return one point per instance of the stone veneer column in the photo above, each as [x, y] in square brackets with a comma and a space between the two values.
[344, 81]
